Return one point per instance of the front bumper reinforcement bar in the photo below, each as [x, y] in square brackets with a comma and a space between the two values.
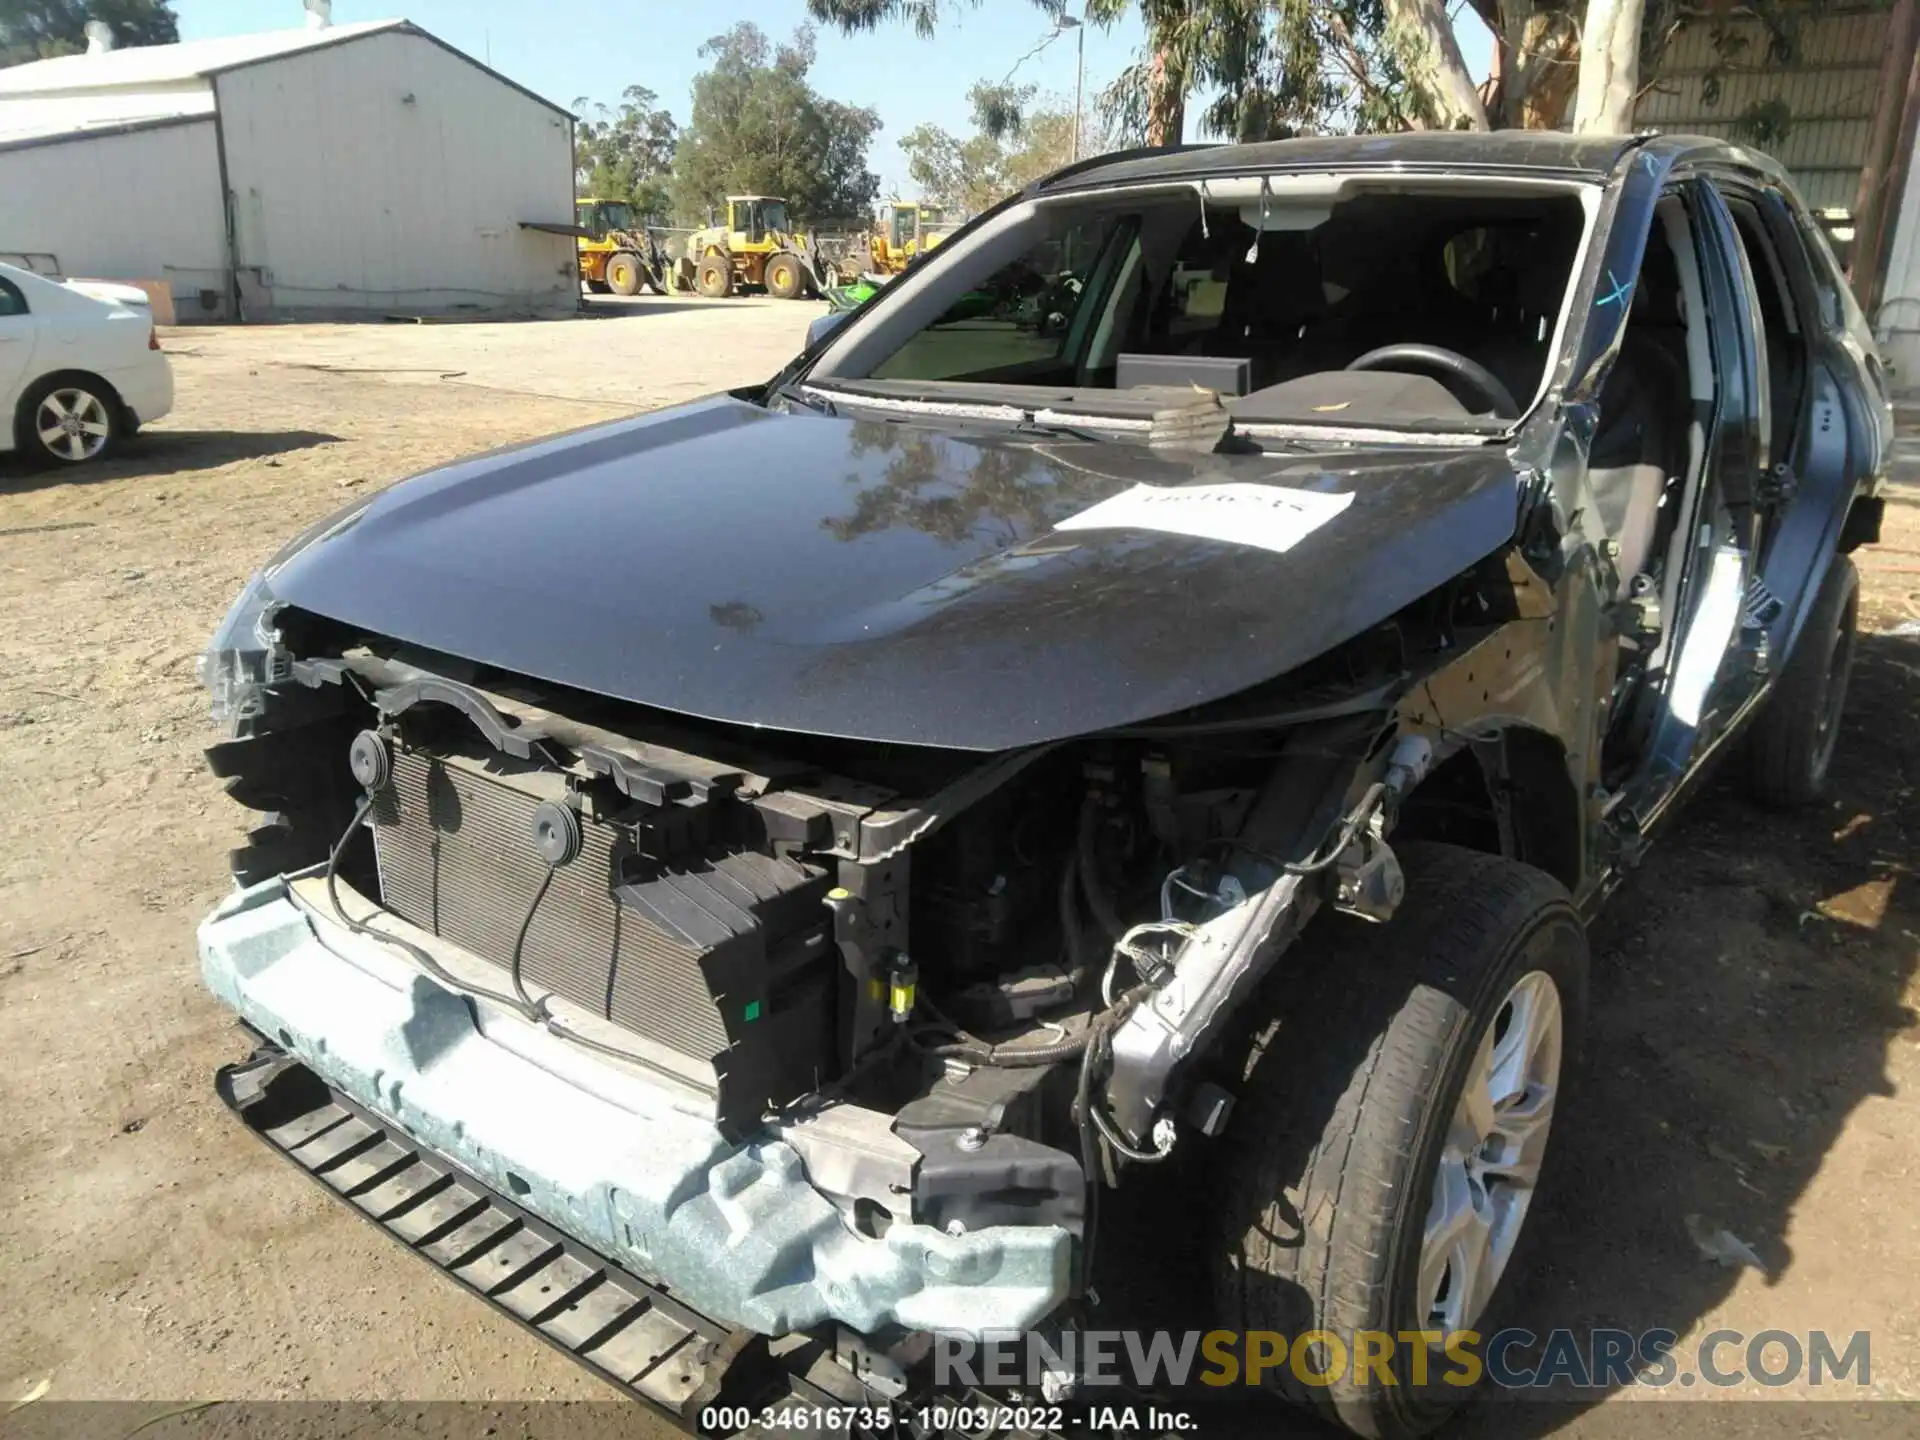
[633, 1334]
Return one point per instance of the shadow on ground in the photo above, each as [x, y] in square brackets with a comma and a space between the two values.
[1747, 985]
[164, 452]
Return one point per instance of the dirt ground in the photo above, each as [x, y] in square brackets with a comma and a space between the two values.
[1754, 1062]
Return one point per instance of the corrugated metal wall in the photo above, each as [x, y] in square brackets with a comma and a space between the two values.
[1829, 87]
[389, 175]
[140, 205]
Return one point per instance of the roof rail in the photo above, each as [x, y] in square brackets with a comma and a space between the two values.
[1112, 157]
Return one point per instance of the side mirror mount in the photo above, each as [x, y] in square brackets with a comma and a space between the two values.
[823, 326]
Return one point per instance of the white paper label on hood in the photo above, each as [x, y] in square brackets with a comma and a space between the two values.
[1268, 517]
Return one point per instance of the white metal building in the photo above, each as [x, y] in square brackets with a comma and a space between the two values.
[346, 171]
[1896, 314]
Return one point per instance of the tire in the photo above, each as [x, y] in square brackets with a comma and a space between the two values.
[623, 273]
[85, 413]
[1337, 1145]
[713, 277]
[1791, 743]
[784, 277]
[597, 287]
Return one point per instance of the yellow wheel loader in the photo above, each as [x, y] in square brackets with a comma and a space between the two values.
[616, 254]
[908, 229]
[756, 246]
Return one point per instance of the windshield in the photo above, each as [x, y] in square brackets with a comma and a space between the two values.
[615, 215]
[773, 215]
[1015, 324]
[1265, 298]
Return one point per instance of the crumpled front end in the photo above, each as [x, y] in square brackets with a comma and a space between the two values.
[600, 1149]
[817, 1035]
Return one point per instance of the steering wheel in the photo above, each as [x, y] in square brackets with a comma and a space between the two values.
[1452, 363]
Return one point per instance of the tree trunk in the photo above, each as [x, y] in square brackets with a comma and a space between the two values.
[1609, 67]
[1166, 102]
[1423, 41]
[1537, 50]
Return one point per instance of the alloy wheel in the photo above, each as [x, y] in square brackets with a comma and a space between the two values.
[1490, 1162]
[73, 424]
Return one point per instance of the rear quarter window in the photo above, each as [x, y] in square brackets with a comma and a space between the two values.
[12, 302]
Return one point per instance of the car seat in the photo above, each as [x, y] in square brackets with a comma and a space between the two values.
[1639, 447]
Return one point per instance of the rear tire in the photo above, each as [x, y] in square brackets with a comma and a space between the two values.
[1353, 1124]
[66, 420]
[623, 273]
[1791, 743]
[713, 277]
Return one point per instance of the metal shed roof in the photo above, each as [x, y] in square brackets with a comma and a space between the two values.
[72, 96]
[31, 119]
[143, 65]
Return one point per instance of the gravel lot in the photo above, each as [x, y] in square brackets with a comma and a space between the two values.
[1755, 1059]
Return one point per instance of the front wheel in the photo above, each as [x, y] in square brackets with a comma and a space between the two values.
[1390, 1137]
[784, 278]
[713, 277]
[623, 273]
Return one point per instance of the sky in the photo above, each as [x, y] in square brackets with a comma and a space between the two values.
[569, 52]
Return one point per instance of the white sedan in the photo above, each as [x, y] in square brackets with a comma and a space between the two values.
[78, 374]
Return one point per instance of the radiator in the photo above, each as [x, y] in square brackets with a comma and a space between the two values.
[724, 957]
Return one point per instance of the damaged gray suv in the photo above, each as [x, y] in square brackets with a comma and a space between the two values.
[1163, 684]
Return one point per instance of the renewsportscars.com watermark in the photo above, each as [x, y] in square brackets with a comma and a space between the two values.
[1513, 1359]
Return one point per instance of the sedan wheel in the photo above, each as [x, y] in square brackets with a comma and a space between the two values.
[71, 424]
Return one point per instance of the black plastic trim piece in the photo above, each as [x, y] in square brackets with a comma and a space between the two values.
[631, 1333]
[1862, 525]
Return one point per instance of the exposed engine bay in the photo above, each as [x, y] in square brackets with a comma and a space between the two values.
[962, 945]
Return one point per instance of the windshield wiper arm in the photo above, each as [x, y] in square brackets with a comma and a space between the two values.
[1055, 429]
[792, 391]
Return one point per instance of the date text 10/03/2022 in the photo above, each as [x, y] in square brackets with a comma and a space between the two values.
[1509, 1359]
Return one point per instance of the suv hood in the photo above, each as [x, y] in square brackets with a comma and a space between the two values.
[892, 582]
